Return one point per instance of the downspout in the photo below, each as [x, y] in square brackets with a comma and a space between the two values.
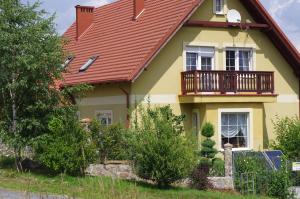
[127, 106]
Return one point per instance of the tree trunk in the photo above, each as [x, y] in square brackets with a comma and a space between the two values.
[17, 149]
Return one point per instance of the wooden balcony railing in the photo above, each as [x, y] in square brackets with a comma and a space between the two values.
[194, 82]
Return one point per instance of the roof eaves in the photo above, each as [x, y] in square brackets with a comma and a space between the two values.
[136, 73]
[285, 45]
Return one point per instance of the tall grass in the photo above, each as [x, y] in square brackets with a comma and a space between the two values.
[98, 188]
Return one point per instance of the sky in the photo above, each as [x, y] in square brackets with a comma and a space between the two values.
[285, 12]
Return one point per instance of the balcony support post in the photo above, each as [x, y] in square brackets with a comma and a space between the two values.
[195, 82]
[183, 83]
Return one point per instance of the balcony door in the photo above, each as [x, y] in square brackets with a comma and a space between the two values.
[201, 58]
[237, 59]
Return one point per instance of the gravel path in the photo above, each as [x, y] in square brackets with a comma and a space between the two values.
[7, 194]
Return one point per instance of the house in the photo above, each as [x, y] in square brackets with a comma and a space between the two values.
[199, 56]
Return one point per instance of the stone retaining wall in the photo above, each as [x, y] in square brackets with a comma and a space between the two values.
[221, 183]
[6, 151]
[113, 169]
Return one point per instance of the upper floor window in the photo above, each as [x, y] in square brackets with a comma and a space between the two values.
[104, 117]
[199, 58]
[239, 59]
[219, 6]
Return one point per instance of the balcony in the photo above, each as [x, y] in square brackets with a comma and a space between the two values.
[222, 82]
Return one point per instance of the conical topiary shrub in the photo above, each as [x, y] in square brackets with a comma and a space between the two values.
[207, 146]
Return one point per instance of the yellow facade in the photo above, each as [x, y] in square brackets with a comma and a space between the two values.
[161, 82]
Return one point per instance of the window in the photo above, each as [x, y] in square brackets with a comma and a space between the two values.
[206, 63]
[219, 6]
[88, 64]
[239, 59]
[191, 61]
[235, 129]
[67, 61]
[199, 58]
[105, 117]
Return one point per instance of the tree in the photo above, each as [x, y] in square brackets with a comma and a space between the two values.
[30, 59]
[161, 151]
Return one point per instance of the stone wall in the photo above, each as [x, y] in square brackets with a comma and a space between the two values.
[116, 169]
[5, 150]
[123, 170]
[221, 183]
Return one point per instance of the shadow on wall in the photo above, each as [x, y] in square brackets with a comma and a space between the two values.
[266, 141]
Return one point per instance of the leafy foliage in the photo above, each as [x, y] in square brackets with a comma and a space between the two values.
[111, 141]
[207, 145]
[199, 177]
[266, 182]
[161, 152]
[30, 60]
[68, 148]
[287, 132]
[217, 168]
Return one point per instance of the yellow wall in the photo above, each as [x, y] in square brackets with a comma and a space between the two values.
[162, 80]
[105, 97]
[210, 113]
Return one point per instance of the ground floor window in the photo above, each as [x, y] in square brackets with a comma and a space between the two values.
[235, 129]
[105, 117]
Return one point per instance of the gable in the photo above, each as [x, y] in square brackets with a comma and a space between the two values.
[205, 11]
[126, 47]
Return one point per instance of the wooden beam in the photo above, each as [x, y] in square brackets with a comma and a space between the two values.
[215, 24]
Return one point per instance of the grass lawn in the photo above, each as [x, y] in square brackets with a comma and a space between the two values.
[98, 188]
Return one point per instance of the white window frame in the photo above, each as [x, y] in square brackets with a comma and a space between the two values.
[237, 57]
[199, 63]
[222, 12]
[250, 126]
[105, 112]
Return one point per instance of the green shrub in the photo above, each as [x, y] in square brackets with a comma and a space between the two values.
[68, 147]
[279, 184]
[207, 145]
[199, 177]
[161, 152]
[111, 141]
[217, 168]
[266, 182]
[7, 162]
[287, 132]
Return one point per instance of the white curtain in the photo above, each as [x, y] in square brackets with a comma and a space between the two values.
[234, 124]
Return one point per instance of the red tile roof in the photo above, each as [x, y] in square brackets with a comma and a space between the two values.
[124, 46]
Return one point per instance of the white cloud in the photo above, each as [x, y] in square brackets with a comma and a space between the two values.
[97, 3]
[278, 6]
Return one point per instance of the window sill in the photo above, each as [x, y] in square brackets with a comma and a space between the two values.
[219, 13]
[238, 149]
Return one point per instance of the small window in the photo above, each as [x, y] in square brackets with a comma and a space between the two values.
[235, 129]
[88, 64]
[67, 61]
[219, 6]
[104, 117]
[239, 59]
